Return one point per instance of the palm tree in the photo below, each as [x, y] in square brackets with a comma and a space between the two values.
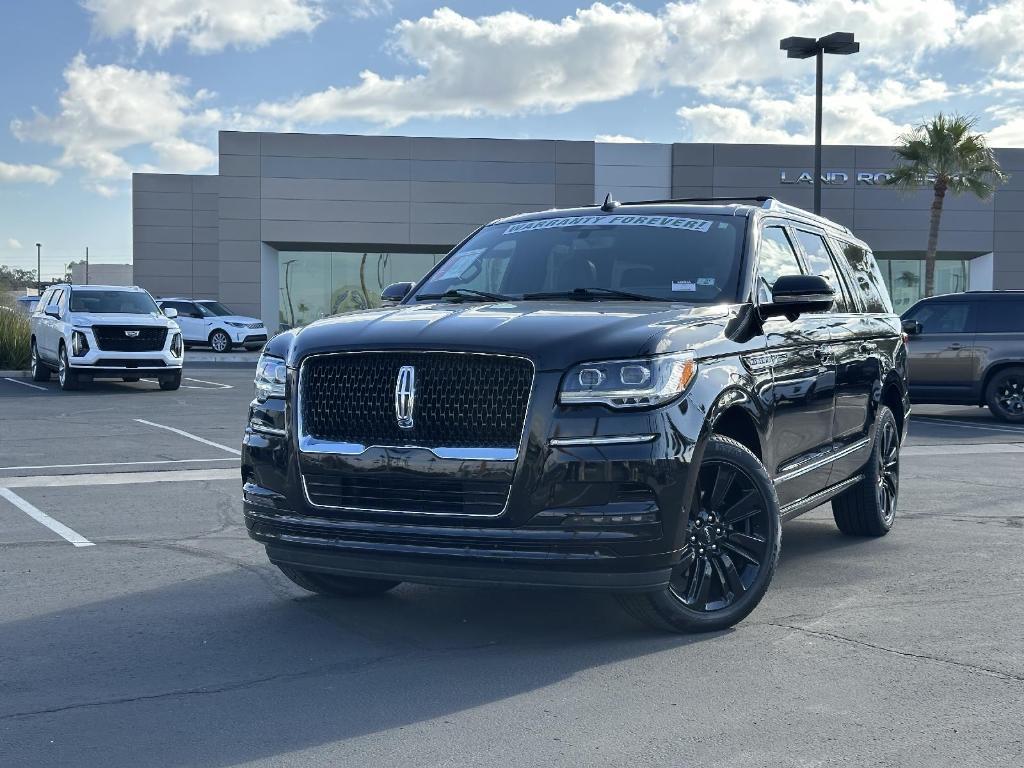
[946, 153]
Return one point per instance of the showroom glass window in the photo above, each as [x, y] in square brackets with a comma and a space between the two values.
[905, 279]
[315, 284]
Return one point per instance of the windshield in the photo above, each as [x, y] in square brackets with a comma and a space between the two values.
[113, 302]
[689, 258]
[213, 309]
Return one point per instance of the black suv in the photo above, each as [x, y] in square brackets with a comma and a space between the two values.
[968, 349]
[629, 397]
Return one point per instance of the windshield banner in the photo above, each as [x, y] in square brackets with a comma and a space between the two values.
[668, 222]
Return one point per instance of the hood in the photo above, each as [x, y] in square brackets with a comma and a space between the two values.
[553, 334]
[118, 318]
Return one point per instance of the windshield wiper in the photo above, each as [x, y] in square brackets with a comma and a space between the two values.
[584, 294]
[463, 294]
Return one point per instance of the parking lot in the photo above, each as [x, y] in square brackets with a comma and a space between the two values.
[139, 626]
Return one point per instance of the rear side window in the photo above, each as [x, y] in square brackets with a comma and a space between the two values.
[775, 259]
[819, 261]
[942, 317]
[44, 300]
[867, 278]
[1000, 316]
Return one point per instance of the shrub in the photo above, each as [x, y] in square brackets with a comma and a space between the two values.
[14, 338]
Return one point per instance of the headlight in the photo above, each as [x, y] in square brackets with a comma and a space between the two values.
[271, 376]
[629, 383]
[79, 344]
[234, 324]
[176, 345]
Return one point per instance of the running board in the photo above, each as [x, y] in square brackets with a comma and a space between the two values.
[806, 504]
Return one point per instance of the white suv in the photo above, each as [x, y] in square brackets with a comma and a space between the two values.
[87, 332]
[204, 321]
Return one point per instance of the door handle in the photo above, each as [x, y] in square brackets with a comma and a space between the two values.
[956, 345]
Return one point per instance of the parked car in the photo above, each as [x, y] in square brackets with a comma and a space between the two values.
[86, 332]
[27, 304]
[630, 397]
[204, 321]
[968, 349]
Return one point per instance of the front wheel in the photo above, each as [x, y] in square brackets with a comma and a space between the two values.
[220, 341]
[170, 383]
[730, 551]
[1005, 395]
[869, 507]
[332, 585]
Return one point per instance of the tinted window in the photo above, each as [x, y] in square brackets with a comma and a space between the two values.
[115, 302]
[938, 317]
[55, 298]
[1001, 316]
[691, 258]
[775, 259]
[213, 309]
[819, 261]
[44, 300]
[867, 278]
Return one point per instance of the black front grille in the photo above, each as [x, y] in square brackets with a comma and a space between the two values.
[462, 400]
[112, 362]
[397, 492]
[115, 338]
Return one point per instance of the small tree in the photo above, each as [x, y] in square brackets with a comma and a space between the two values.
[946, 153]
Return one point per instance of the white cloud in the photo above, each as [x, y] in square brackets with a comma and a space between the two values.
[15, 173]
[14, 245]
[206, 26]
[993, 37]
[511, 63]
[617, 138]
[364, 9]
[108, 109]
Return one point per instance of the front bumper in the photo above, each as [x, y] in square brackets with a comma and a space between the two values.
[100, 363]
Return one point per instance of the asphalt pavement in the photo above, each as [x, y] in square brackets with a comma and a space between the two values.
[140, 626]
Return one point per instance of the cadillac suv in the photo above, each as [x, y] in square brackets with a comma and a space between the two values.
[630, 397]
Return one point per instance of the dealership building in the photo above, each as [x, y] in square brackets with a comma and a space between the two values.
[297, 226]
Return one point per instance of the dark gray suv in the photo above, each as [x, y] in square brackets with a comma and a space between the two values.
[968, 349]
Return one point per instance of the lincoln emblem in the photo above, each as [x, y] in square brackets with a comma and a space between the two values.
[405, 396]
[133, 334]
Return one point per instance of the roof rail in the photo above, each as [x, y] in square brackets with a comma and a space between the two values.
[757, 199]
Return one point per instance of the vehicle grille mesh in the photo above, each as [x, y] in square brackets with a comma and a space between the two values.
[395, 492]
[462, 400]
[114, 338]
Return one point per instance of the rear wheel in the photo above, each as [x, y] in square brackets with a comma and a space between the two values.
[68, 378]
[220, 341]
[869, 507]
[1005, 395]
[332, 585]
[731, 548]
[40, 372]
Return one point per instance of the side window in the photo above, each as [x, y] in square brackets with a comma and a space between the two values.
[44, 300]
[776, 258]
[58, 294]
[64, 296]
[819, 262]
[943, 317]
[868, 278]
[1000, 316]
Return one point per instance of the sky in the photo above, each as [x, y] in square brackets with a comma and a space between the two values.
[92, 90]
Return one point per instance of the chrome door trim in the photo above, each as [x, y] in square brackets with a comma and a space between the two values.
[564, 442]
[817, 463]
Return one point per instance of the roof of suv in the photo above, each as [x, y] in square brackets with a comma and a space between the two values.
[126, 288]
[971, 295]
[728, 206]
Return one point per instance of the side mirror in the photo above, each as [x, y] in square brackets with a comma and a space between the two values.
[912, 327]
[396, 292]
[170, 313]
[794, 295]
[52, 310]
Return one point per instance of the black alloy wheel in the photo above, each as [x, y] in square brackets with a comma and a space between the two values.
[1005, 395]
[887, 484]
[728, 539]
[868, 508]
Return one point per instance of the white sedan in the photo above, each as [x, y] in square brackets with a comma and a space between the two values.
[204, 321]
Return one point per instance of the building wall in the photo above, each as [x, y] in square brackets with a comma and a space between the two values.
[174, 234]
[102, 274]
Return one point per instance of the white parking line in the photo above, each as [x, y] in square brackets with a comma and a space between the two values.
[26, 384]
[119, 478]
[945, 449]
[932, 420]
[117, 463]
[190, 436]
[216, 384]
[41, 517]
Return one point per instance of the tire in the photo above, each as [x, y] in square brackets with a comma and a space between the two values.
[40, 371]
[68, 378]
[733, 538]
[331, 585]
[1005, 395]
[220, 341]
[869, 507]
[131, 379]
[170, 383]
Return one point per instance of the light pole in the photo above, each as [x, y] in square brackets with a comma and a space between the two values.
[803, 48]
[39, 268]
